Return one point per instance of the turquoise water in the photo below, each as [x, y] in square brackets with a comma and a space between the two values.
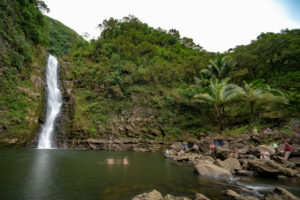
[73, 174]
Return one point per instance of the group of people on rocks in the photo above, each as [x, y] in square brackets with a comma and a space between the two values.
[264, 153]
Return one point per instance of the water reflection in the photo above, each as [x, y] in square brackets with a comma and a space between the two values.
[40, 176]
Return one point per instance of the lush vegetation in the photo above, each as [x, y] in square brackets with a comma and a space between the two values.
[138, 81]
[132, 65]
[22, 60]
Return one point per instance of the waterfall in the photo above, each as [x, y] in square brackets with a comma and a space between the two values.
[54, 102]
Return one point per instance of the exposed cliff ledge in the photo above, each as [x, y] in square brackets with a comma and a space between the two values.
[122, 144]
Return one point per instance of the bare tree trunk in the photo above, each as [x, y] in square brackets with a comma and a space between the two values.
[219, 116]
[251, 113]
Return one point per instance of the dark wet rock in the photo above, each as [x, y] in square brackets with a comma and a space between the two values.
[295, 160]
[245, 173]
[206, 168]
[244, 163]
[295, 150]
[222, 153]
[279, 194]
[256, 139]
[200, 196]
[269, 168]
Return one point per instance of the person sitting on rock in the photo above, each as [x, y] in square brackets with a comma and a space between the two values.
[218, 143]
[195, 148]
[267, 131]
[274, 145]
[186, 146]
[234, 153]
[167, 152]
[181, 152]
[264, 154]
[255, 131]
[211, 147]
[251, 157]
[287, 150]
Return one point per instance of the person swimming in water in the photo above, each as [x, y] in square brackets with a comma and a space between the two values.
[125, 161]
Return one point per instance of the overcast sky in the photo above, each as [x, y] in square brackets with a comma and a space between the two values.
[216, 25]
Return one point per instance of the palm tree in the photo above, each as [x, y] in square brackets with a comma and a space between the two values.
[218, 68]
[218, 93]
[259, 91]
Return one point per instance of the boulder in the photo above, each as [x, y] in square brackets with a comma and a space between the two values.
[154, 195]
[204, 162]
[269, 168]
[199, 196]
[209, 158]
[295, 150]
[177, 146]
[244, 163]
[286, 163]
[232, 195]
[249, 198]
[169, 197]
[182, 198]
[279, 194]
[222, 153]
[295, 160]
[209, 169]
[256, 139]
[243, 150]
[231, 164]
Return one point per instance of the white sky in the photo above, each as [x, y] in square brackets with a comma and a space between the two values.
[216, 25]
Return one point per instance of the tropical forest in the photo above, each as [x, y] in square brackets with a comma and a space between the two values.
[144, 113]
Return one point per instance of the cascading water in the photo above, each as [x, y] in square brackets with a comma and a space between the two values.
[54, 103]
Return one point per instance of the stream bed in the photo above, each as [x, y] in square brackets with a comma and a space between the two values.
[34, 174]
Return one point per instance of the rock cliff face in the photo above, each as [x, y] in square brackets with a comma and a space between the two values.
[64, 123]
[123, 131]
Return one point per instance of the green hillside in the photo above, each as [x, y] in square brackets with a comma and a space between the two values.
[60, 37]
[137, 81]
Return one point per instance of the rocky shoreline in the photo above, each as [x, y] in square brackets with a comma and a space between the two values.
[276, 194]
[236, 157]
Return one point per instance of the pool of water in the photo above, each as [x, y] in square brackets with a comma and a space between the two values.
[33, 174]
